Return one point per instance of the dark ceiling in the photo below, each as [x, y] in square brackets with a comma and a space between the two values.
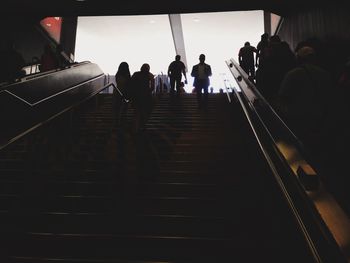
[134, 7]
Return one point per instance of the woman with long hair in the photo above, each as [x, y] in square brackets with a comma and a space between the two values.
[122, 79]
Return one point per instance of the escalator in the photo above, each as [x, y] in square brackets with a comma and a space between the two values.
[195, 186]
[320, 217]
[38, 98]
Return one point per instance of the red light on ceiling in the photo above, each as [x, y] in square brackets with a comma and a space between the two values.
[53, 27]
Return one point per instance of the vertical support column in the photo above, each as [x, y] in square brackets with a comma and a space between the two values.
[267, 22]
[68, 35]
[178, 38]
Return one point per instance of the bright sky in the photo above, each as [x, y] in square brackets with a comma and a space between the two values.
[109, 40]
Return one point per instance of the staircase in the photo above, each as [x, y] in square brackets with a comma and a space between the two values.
[192, 187]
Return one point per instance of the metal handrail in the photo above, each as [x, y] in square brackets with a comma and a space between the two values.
[251, 86]
[52, 96]
[227, 92]
[63, 111]
[281, 184]
[339, 242]
[41, 74]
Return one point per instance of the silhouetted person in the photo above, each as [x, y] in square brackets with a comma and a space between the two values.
[201, 73]
[288, 56]
[122, 79]
[246, 59]
[182, 87]
[285, 61]
[12, 63]
[262, 50]
[159, 85]
[48, 60]
[336, 142]
[175, 71]
[142, 83]
[278, 62]
[165, 88]
[303, 97]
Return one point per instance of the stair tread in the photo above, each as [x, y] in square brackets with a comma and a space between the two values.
[184, 190]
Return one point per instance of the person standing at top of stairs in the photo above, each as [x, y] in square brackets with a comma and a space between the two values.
[175, 71]
[201, 73]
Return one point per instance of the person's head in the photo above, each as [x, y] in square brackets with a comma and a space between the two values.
[306, 54]
[275, 39]
[201, 58]
[285, 48]
[177, 57]
[265, 36]
[123, 68]
[145, 68]
[285, 45]
[246, 44]
[313, 42]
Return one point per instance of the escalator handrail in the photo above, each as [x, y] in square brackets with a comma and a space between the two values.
[41, 74]
[51, 96]
[262, 98]
[44, 73]
[296, 141]
[36, 126]
[316, 239]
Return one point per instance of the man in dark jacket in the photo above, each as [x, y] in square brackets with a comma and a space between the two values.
[246, 59]
[304, 97]
[201, 73]
[175, 71]
[142, 85]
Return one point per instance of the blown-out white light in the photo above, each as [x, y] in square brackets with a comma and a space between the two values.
[110, 40]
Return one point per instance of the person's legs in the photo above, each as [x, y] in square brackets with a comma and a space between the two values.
[172, 86]
[205, 97]
[199, 96]
[245, 68]
[178, 84]
[252, 71]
